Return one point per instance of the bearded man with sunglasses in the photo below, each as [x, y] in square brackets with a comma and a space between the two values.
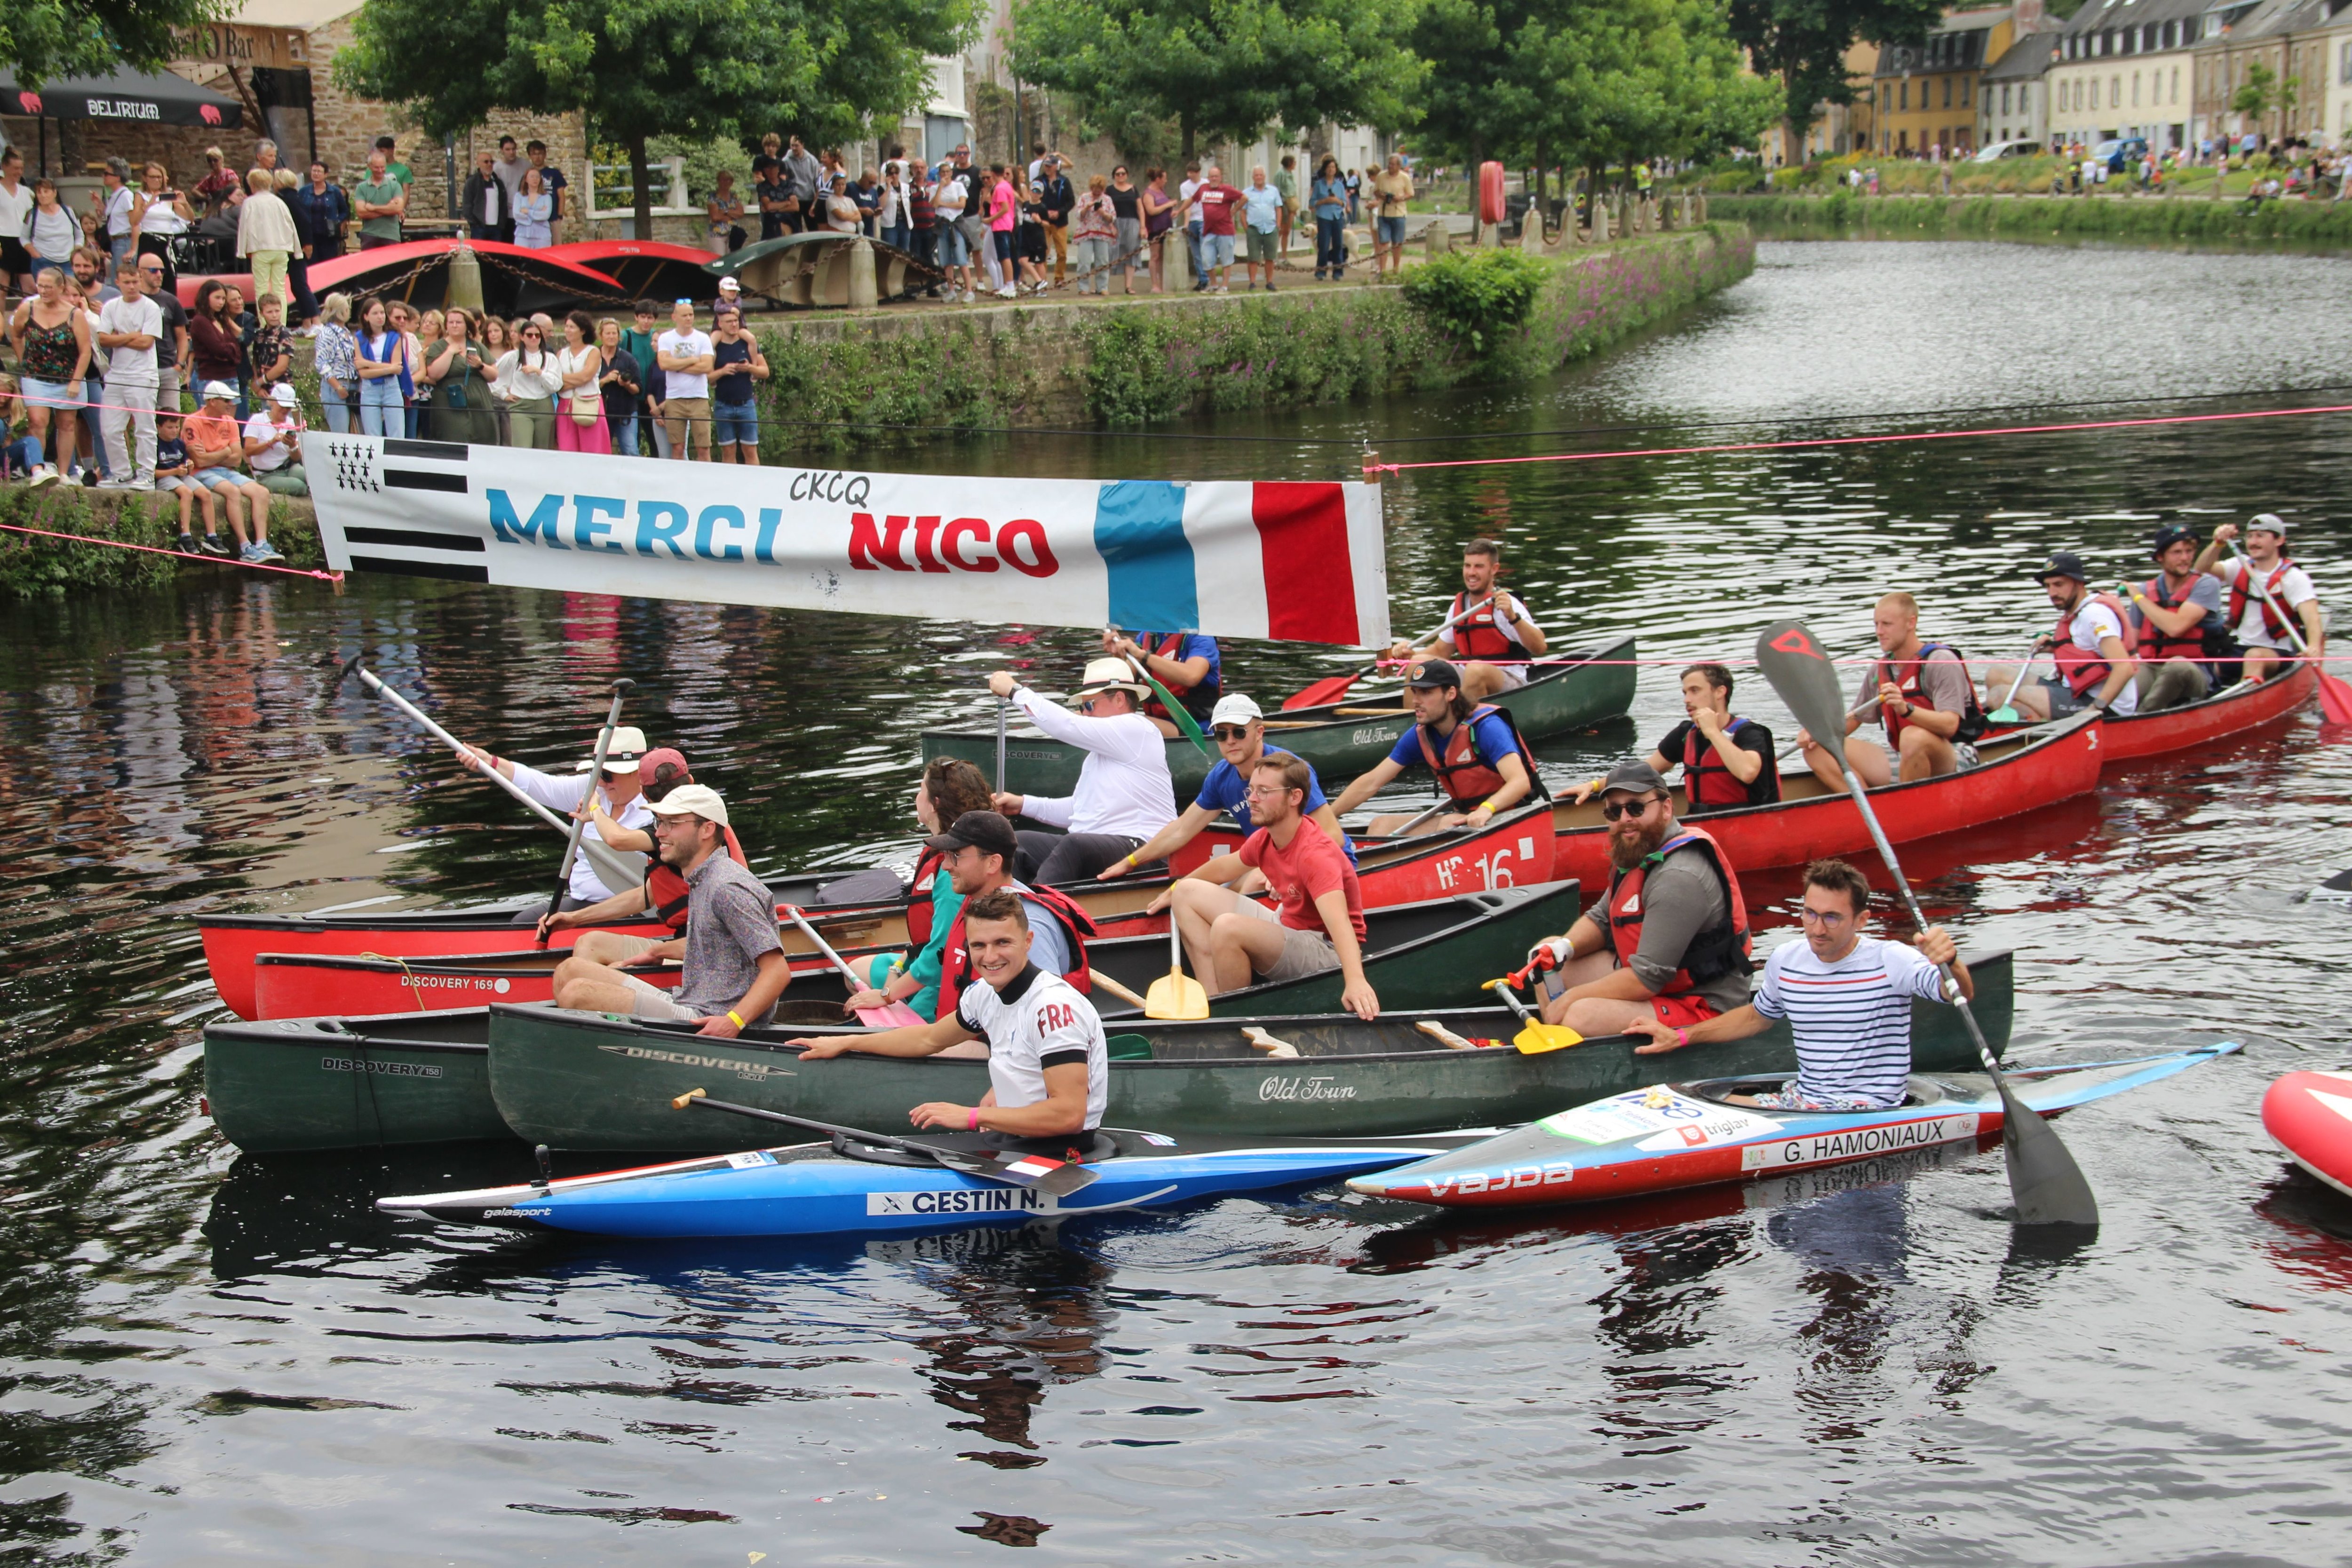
[1238, 727]
[1671, 940]
[1125, 792]
[624, 801]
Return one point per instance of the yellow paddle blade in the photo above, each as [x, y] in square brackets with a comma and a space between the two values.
[1538, 1038]
[1176, 995]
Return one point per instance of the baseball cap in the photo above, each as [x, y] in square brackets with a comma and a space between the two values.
[651, 763]
[1633, 774]
[282, 395]
[691, 800]
[986, 831]
[2270, 522]
[729, 285]
[2064, 563]
[1432, 673]
[221, 390]
[622, 754]
[1234, 708]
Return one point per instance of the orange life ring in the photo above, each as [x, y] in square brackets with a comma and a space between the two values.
[1490, 192]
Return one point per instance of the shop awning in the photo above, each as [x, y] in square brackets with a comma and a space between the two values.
[157, 97]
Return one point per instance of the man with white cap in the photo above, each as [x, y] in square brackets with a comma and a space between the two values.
[624, 801]
[1125, 794]
[735, 967]
[1239, 729]
[217, 449]
[2262, 625]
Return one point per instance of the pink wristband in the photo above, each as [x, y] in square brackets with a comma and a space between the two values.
[1681, 1036]
[975, 1125]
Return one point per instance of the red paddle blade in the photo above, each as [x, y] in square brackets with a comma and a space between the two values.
[1329, 689]
[2335, 698]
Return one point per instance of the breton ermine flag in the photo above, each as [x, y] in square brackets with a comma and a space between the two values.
[1299, 563]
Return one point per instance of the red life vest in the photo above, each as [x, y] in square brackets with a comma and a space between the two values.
[1461, 773]
[2156, 645]
[919, 896]
[1077, 926]
[1913, 689]
[1712, 953]
[2241, 590]
[2078, 668]
[1477, 635]
[666, 890]
[1708, 783]
[1198, 701]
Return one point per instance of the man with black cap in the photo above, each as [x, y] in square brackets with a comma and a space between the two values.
[1671, 940]
[1125, 794]
[2267, 588]
[2183, 648]
[2088, 645]
[734, 966]
[622, 801]
[981, 848]
[1481, 763]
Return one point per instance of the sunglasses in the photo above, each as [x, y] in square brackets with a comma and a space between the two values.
[1230, 732]
[1614, 810]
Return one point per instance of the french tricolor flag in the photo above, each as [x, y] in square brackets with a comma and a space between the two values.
[1032, 1167]
[1295, 563]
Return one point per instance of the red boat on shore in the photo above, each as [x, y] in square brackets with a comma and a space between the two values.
[2019, 772]
[2245, 706]
[515, 281]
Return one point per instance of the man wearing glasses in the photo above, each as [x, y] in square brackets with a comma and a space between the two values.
[1671, 942]
[1125, 794]
[1239, 729]
[1318, 925]
[1847, 998]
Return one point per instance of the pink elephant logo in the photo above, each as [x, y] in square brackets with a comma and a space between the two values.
[211, 115]
[30, 102]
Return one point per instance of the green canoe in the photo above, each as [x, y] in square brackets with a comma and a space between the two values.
[590, 1082]
[1340, 740]
[352, 1083]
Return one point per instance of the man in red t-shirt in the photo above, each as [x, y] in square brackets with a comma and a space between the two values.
[1234, 941]
[1218, 201]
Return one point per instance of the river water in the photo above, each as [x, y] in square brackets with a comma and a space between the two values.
[210, 1358]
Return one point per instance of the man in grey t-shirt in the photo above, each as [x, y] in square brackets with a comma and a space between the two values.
[735, 967]
[1920, 691]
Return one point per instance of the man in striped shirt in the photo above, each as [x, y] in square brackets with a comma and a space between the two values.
[1847, 998]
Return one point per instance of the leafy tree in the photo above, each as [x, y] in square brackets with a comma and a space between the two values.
[2263, 92]
[641, 69]
[1803, 43]
[42, 38]
[1225, 69]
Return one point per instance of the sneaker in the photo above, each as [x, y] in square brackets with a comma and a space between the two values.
[186, 544]
[1008, 293]
[213, 544]
[113, 484]
[43, 473]
[1269, 285]
[265, 550]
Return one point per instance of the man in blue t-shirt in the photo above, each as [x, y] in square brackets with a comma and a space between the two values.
[1239, 730]
[1481, 763]
[1186, 663]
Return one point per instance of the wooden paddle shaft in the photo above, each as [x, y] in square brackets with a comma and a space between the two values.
[1116, 989]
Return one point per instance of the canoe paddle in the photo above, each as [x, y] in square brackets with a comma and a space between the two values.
[612, 868]
[621, 689]
[1538, 1036]
[1001, 704]
[2005, 714]
[1175, 995]
[891, 1015]
[1332, 687]
[1040, 1172]
[2335, 695]
[2047, 1185]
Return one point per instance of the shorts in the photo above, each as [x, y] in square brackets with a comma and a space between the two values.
[1789, 1098]
[1513, 675]
[1216, 250]
[213, 478]
[39, 394]
[953, 248]
[1001, 238]
[1262, 244]
[1682, 1012]
[736, 422]
[650, 1001]
[43, 264]
[1388, 231]
[177, 483]
[2062, 697]
[1304, 952]
[14, 257]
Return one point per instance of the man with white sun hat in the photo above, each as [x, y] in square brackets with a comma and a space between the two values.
[624, 801]
[1125, 794]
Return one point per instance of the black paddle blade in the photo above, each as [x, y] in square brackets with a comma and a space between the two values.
[1804, 678]
[2049, 1187]
[1054, 1178]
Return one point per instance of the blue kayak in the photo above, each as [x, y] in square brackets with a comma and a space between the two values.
[1674, 1136]
[812, 1190]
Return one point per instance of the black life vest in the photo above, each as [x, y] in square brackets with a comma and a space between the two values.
[1198, 701]
[2207, 641]
[1708, 784]
[2080, 669]
[2242, 590]
[919, 908]
[1478, 635]
[1913, 687]
[1465, 777]
[1077, 926]
[1722, 949]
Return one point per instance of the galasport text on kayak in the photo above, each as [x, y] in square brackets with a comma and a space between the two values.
[724, 533]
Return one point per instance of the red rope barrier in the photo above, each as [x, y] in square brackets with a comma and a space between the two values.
[1372, 468]
[334, 577]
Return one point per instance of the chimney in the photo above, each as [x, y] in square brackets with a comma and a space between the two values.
[2028, 16]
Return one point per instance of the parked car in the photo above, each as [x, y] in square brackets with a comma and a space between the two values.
[1995, 152]
[2123, 150]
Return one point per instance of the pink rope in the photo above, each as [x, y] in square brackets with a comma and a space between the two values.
[1859, 440]
[334, 577]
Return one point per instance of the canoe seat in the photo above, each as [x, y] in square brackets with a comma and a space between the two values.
[1129, 1048]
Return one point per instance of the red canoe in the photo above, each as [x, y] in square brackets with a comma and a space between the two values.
[2309, 1115]
[1514, 850]
[2226, 712]
[514, 279]
[2019, 772]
